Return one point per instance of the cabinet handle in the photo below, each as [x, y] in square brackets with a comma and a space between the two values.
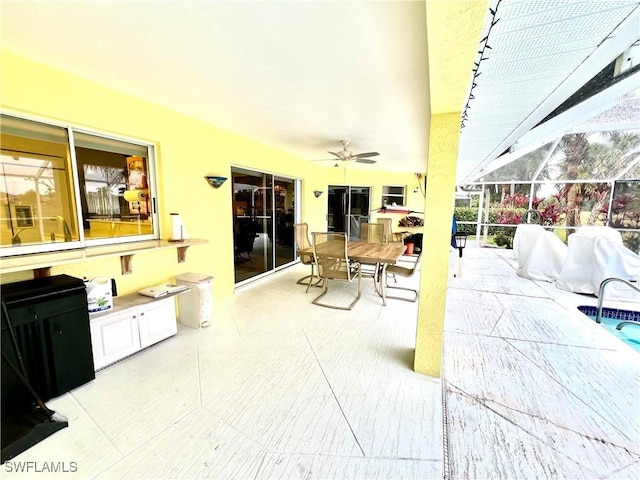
[142, 314]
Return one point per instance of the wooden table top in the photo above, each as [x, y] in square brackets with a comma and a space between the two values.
[365, 251]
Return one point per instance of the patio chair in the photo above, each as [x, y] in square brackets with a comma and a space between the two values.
[371, 233]
[387, 222]
[244, 240]
[301, 236]
[407, 270]
[332, 263]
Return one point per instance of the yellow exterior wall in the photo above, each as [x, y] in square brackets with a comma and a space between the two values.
[453, 32]
[186, 150]
[443, 154]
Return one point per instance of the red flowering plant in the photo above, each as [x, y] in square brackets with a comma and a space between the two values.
[535, 202]
[551, 209]
[517, 200]
[509, 212]
[622, 214]
[508, 217]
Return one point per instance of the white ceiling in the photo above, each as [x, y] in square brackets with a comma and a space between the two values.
[301, 76]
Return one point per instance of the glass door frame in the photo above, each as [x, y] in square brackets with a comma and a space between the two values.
[268, 232]
[351, 219]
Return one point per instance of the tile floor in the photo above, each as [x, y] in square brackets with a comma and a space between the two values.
[280, 388]
[534, 389]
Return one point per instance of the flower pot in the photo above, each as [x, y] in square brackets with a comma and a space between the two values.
[409, 248]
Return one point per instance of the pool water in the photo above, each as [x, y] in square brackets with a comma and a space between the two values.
[611, 317]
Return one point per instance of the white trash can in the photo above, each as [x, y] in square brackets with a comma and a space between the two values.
[196, 305]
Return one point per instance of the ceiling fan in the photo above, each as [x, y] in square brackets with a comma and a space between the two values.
[345, 155]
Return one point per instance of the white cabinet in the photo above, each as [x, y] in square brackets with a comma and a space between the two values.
[135, 322]
[114, 337]
[157, 321]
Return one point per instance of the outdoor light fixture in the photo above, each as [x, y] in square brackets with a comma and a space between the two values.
[461, 242]
[317, 193]
[214, 181]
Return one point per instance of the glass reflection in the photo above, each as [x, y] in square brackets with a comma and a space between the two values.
[114, 190]
[263, 218]
[37, 193]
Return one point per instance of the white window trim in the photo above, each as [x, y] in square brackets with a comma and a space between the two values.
[83, 242]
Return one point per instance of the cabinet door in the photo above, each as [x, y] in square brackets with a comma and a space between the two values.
[114, 337]
[70, 357]
[157, 321]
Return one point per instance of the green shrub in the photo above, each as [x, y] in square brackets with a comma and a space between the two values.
[504, 237]
[466, 214]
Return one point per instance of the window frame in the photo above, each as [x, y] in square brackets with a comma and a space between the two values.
[83, 242]
[394, 195]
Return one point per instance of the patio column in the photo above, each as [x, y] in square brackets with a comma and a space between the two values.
[453, 33]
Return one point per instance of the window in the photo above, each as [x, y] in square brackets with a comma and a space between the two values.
[54, 198]
[392, 195]
[114, 191]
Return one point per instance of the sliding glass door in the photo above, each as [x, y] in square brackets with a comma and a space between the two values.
[263, 218]
[347, 207]
[284, 218]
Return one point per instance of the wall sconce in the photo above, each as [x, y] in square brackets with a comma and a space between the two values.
[317, 193]
[460, 242]
[214, 181]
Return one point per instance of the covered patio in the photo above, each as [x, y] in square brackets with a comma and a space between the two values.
[280, 388]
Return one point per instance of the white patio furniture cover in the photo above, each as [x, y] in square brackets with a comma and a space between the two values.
[595, 254]
[540, 253]
[525, 237]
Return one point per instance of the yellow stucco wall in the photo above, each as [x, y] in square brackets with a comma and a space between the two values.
[443, 154]
[186, 150]
[453, 32]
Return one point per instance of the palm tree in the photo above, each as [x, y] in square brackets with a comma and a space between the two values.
[575, 148]
[522, 168]
[584, 159]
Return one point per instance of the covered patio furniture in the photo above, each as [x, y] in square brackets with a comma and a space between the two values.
[595, 254]
[540, 253]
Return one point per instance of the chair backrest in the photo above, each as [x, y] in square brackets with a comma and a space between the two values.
[301, 237]
[372, 233]
[330, 255]
[387, 222]
[301, 234]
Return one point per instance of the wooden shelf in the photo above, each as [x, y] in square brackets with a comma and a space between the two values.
[41, 263]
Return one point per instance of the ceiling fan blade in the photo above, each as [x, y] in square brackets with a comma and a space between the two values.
[365, 160]
[340, 155]
[324, 160]
[367, 154]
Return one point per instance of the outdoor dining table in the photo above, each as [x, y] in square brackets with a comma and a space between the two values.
[382, 254]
